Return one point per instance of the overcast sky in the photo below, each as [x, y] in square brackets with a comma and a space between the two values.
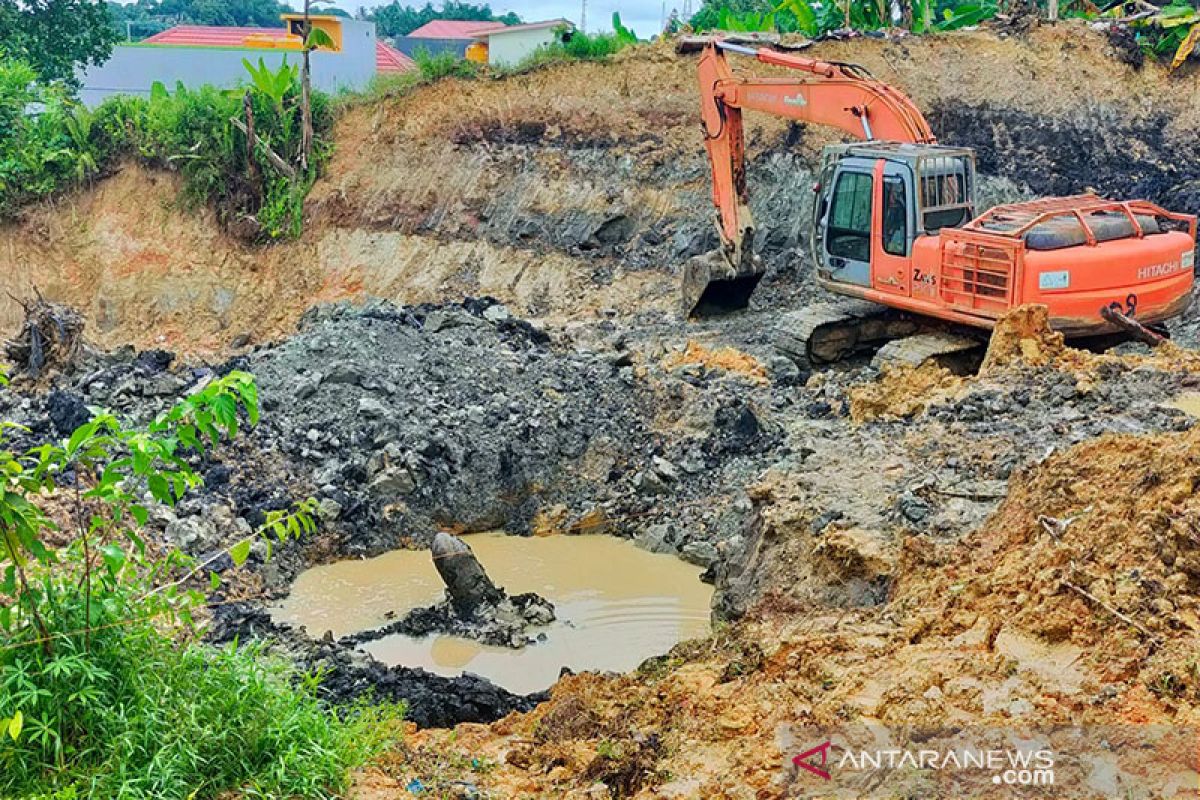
[642, 15]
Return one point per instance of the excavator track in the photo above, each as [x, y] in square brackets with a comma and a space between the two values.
[955, 350]
[823, 333]
[831, 331]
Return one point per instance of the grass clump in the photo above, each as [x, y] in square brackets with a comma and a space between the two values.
[130, 714]
[434, 67]
[105, 690]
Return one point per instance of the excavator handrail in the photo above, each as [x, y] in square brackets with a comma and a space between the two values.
[1025, 216]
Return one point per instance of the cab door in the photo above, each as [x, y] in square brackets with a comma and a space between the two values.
[893, 222]
[845, 225]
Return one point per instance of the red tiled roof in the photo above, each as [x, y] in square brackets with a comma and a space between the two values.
[526, 26]
[389, 59]
[454, 29]
[213, 35]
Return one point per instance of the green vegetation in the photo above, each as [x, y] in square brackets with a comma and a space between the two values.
[104, 691]
[430, 68]
[148, 17]
[1173, 33]
[433, 67]
[579, 46]
[186, 130]
[55, 36]
[394, 19]
[815, 19]
[575, 47]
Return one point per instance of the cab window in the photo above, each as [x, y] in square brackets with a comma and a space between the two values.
[850, 217]
[895, 217]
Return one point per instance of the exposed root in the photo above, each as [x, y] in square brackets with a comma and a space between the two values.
[50, 337]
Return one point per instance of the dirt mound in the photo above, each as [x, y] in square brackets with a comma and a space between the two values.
[902, 391]
[726, 359]
[1095, 544]
[1023, 335]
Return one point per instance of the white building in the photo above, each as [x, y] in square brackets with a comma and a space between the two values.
[509, 46]
[200, 54]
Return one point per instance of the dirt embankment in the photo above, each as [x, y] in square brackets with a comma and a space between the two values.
[906, 574]
[582, 188]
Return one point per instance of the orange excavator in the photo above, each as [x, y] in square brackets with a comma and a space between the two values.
[894, 223]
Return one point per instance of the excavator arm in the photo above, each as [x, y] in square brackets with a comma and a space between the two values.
[843, 96]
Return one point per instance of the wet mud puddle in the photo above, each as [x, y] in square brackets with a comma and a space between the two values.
[617, 605]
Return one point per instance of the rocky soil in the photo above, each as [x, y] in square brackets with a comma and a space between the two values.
[906, 546]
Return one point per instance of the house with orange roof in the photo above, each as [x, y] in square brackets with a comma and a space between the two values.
[205, 54]
[448, 35]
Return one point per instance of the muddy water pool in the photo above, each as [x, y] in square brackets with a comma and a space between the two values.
[617, 605]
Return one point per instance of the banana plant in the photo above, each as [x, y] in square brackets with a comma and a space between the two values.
[272, 84]
[1181, 27]
[960, 16]
[625, 36]
[747, 21]
[1173, 30]
[1188, 47]
[806, 17]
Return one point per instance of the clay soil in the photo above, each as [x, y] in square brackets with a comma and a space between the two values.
[912, 548]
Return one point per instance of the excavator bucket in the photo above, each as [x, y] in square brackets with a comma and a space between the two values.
[711, 285]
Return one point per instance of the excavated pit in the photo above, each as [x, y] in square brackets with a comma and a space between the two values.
[616, 605]
[838, 515]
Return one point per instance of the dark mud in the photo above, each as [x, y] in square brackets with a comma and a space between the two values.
[432, 701]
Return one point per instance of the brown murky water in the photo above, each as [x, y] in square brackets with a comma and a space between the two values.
[617, 605]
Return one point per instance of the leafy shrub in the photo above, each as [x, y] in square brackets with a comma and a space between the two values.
[578, 46]
[44, 143]
[185, 130]
[102, 691]
[135, 715]
[591, 47]
[445, 64]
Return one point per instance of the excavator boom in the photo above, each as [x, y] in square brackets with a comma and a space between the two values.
[843, 96]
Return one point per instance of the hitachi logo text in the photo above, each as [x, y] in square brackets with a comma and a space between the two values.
[1158, 270]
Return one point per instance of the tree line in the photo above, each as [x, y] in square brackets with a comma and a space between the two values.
[395, 19]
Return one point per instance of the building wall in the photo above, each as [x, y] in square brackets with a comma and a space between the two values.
[132, 69]
[409, 45]
[507, 48]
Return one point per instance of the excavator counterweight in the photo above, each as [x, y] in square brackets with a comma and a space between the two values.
[894, 220]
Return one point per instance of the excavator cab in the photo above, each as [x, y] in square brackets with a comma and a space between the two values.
[874, 200]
